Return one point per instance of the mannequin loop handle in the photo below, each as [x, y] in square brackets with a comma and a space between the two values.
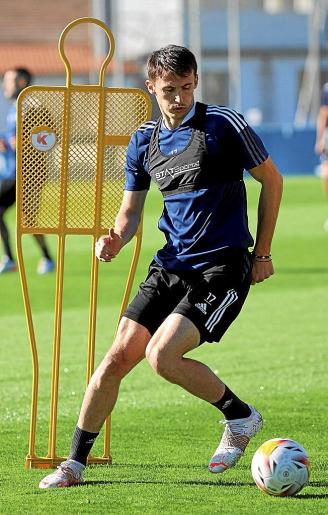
[108, 58]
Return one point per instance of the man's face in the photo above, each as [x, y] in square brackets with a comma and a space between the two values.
[10, 85]
[174, 94]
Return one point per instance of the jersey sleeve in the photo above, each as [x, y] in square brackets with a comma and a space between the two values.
[248, 144]
[254, 151]
[137, 178]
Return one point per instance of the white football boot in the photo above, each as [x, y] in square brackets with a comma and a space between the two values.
[234, 441]
[7, 265]
[45, 266]
[69, 473]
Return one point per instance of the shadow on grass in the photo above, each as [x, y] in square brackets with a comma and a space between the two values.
[152, 466]
[215, 482]
[314, 484]
[311, 496]
[318, 483]
[167, 482]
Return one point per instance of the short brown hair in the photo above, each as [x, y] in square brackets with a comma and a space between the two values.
[172, 58]
[24, 73]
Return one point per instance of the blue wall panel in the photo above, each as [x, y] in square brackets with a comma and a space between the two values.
[292, 150]
[257, 30]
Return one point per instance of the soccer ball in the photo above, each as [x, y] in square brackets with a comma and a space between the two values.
[280, 467]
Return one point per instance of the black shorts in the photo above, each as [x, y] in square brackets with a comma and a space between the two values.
[7, 193]
[211, 299]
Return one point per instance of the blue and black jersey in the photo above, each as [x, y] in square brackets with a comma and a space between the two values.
[199, 168]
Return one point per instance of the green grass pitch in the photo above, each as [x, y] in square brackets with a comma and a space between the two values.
[275, 356]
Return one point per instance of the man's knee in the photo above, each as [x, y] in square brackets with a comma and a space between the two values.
[162, 361]
[127, 350]
[112, 367]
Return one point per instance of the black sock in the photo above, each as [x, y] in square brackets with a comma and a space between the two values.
[46, 254]
[231, 406]
[5, 239]
[81, 445]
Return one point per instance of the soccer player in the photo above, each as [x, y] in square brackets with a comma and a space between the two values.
[321, 144]
[198, 282]
[14, 81]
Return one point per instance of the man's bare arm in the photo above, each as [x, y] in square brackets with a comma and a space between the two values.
[268, 208]
[126, 225]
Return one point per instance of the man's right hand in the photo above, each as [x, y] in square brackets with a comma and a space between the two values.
[108, 246]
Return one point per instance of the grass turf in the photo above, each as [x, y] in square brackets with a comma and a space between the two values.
[275, 356]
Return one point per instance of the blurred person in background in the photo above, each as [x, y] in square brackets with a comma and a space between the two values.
[321, 144]
[14, 81]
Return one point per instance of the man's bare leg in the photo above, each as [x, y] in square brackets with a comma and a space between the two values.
[100, 397]
[165, 352]
[99, 400]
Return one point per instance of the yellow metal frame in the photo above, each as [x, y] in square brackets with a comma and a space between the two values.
[103, 139]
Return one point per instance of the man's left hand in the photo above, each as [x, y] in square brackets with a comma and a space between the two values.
[261, 270]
